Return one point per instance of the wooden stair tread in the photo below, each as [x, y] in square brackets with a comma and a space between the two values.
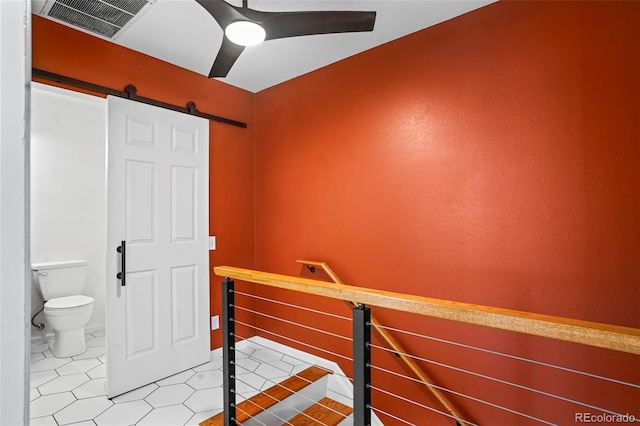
[267, 398]
[327, 412]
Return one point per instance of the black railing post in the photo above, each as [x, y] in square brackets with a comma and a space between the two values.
[228, 353]
[361, 366]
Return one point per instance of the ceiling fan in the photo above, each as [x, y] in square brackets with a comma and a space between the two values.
[273, 25]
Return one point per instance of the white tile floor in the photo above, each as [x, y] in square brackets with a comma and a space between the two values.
[70, 391]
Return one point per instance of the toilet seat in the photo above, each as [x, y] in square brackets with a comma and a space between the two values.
[68, 302]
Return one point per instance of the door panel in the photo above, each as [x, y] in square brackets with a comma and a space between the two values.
[140, 301]
[184, 208]
[140, 188]
[184, 295]
[158, 324]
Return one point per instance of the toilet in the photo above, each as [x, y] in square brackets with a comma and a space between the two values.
[65, 309]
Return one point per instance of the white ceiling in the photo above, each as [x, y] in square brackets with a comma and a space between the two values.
[183, 33]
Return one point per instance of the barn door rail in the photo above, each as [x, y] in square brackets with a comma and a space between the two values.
[130, 92]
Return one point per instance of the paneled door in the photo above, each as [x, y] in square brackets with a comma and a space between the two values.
[157, 314]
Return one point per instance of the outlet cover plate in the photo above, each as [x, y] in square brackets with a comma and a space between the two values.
[215, 322]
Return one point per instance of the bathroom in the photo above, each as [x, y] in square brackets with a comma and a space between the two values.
[69, 221]
[68, 194]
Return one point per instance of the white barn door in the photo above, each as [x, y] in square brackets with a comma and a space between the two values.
[157, 323]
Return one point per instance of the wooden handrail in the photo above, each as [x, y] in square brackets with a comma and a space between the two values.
[618, 338]
[399, 350]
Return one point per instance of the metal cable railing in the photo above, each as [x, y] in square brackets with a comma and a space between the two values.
[501, 407]
[510, 356]
[250, 403]
[292, 408]
[622, 339]
[404, 377]
[274, 382]
[298, 342]
[393, 343]
[509, 383]
[335, 373]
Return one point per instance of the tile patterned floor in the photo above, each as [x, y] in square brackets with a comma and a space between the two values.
[70, 391]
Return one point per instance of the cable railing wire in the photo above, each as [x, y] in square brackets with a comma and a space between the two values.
[264, 409]
[255, 343]
[249, 416]
[489, 351]
[414, 357]
[248, 356]
[294, 340]
[435, 410]
[236, 422]
[288, 355]
[299, 394]
[314, 347]
[271, 381]
[328, 333]
[384, 413]
[304, 362]
[457, 393]
[314, 329]
[282, 401]
[505, 382]
[304, 308]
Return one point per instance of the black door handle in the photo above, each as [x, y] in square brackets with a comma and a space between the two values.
[122, 274]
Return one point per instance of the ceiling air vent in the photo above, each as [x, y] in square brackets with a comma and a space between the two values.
[106, 18]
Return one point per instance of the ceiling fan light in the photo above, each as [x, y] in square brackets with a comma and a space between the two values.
[245, 33]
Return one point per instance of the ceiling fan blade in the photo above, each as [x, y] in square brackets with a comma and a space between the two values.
[279, 25]
[292, 24]
[227, 56]
[224, 14]
[221, 11]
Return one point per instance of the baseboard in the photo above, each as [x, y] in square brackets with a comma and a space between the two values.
[93, 328]
[41, 338]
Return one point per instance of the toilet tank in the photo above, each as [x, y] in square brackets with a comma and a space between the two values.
[59, 279]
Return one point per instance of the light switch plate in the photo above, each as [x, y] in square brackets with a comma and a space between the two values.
[212, 242]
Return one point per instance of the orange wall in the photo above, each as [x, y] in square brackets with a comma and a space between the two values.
[65, 51]
[492, 159]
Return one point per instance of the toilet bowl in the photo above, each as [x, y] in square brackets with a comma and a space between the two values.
[67, 316]
[65, 309]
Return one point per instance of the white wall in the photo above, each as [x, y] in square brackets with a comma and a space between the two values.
[15, 63]
[68, 189]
